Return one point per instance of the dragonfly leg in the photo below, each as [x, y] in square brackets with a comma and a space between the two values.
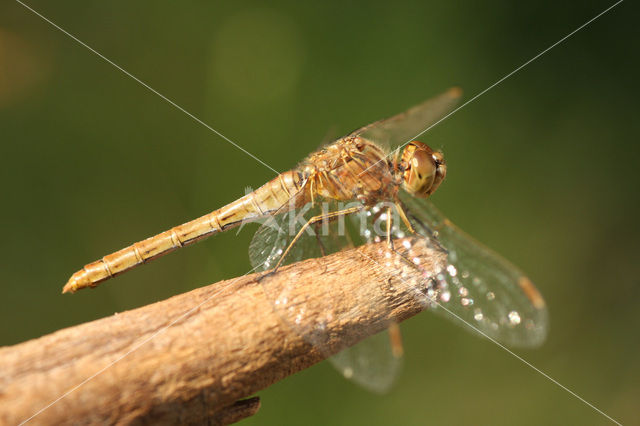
[433, 232]
[389, 226]
[310, 222]
[405, 219]
[311, 192]
[403, 216]
[317, 226]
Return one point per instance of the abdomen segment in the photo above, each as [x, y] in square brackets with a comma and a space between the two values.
[260, 203]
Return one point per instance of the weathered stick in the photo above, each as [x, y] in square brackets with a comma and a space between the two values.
[190, 358]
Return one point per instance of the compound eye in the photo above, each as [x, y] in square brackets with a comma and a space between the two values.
[421, 173]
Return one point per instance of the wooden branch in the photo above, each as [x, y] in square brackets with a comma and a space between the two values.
[190, 358]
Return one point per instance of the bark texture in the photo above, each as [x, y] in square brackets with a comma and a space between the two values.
[194, 357]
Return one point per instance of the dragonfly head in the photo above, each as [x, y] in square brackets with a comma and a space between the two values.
[423, 169]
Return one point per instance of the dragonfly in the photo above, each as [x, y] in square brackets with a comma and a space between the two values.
[371, 186]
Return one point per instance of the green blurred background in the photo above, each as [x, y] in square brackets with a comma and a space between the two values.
[543, 168]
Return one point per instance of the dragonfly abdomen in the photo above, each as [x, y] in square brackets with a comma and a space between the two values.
[262, 202]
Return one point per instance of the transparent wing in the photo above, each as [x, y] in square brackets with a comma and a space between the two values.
[477, 285]
[400, 129]
[372, 363]
[277, 233]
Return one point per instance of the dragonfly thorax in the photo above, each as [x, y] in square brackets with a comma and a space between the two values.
[423, 169]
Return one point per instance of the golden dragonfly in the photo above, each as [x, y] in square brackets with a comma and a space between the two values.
[379, 178]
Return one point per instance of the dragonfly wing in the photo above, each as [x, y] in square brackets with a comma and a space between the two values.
[479, 286]
[373, 362]
[400, 129]
[278, 232]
